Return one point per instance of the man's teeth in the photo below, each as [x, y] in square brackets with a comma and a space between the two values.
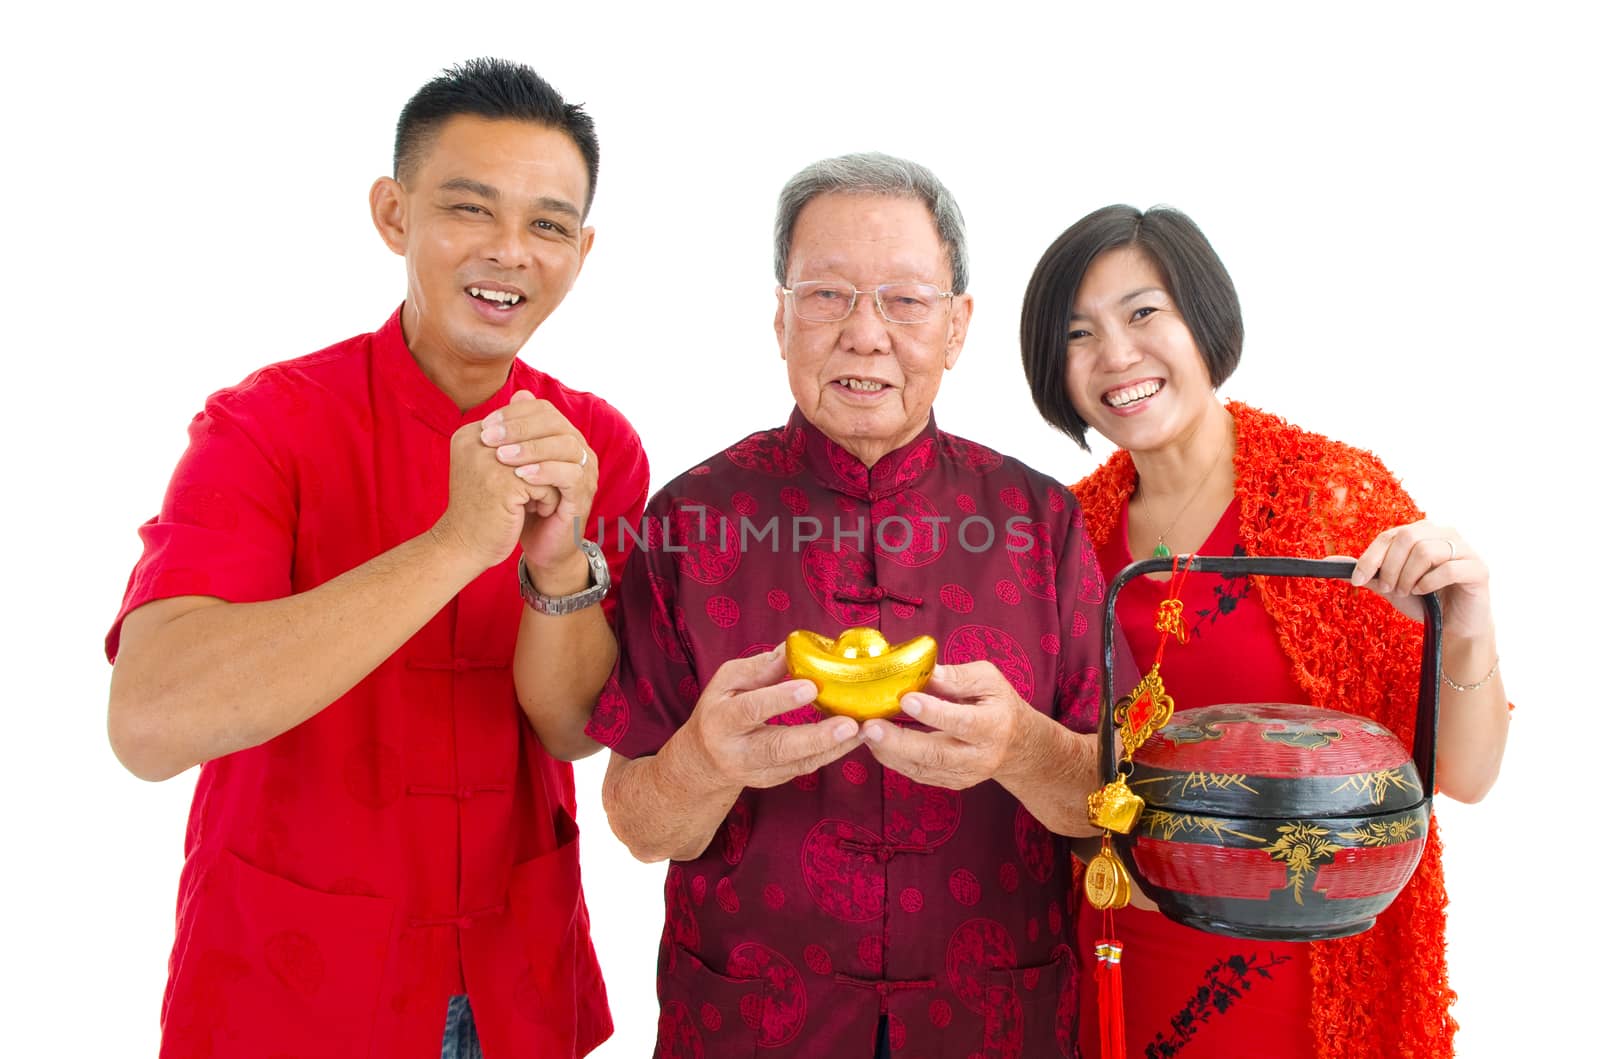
[1123, 398]
[504, 297]
[863, 385]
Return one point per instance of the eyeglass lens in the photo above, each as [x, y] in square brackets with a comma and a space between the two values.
[901, 303]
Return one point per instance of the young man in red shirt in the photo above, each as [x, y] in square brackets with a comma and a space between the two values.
[368, 611]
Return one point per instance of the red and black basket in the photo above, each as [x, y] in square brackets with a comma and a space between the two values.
[1269, 820]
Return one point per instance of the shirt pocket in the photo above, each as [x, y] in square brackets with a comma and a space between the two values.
[561, 992]
[545, 894]
[1032, 1011]
[267, 966]
[706, 1012]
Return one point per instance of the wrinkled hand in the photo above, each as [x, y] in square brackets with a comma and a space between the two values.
[546, 452]
[977, 720]
[1404, 562]
[729, 726]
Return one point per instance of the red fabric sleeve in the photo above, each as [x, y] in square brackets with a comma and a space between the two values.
[1081, 600]
[226, 527]
[620, 496]
[654, 686]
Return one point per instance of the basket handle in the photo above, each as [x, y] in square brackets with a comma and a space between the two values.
[1424, 743]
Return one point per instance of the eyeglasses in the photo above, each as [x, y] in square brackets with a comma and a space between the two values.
[827, 301]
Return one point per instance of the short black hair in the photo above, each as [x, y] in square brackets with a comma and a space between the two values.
[491, 88]
[1190, 268]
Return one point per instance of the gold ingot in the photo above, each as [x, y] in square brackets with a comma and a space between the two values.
[1114, 807]
[1106, 882]
[861, 674]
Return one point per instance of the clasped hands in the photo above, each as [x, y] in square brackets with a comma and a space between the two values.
[523, 475]
[974, 718]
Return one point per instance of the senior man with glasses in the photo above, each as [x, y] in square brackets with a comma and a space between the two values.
[840, 887]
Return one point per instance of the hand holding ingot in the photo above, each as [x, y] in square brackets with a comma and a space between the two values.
[861, 674]
[728, 740]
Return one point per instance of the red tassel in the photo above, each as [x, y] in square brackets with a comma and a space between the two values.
[1108, 977]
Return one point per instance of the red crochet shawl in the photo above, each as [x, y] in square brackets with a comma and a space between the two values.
[1383, 992]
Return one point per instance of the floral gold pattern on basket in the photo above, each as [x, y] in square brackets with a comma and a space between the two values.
[1303, 847]
[1384, 833]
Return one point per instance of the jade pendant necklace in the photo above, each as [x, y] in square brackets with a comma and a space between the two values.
[1161, 551]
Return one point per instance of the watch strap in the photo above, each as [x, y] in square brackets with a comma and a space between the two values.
[556, 606]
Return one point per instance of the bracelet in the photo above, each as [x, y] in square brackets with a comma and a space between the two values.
[1472, 687]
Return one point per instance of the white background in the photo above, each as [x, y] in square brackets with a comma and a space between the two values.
[1405, 198]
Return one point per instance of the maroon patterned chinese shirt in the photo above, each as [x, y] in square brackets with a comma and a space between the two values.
[853, 892]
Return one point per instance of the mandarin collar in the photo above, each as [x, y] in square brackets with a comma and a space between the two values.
[842, 472]
[399, 372]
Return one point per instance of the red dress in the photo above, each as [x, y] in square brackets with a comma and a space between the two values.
[853, 892]
[413, 840]
[1190, 994]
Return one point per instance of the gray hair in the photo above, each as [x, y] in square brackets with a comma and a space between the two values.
[872, 174]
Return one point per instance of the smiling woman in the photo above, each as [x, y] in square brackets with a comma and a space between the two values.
[1129, 324]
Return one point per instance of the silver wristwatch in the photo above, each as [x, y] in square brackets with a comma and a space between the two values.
[599, 578]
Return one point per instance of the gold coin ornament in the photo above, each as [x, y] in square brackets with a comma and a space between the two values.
[1115, 807]
[1106, 882]
[860, 674]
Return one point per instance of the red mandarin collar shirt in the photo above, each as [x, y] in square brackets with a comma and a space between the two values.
[413, 840]
[853, 892]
